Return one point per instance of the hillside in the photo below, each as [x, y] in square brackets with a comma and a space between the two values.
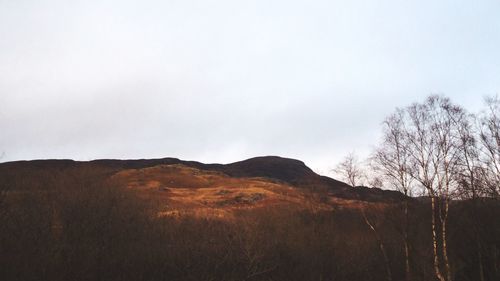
[168, 219]
[290, 171]
[188, 187]
[271, 168]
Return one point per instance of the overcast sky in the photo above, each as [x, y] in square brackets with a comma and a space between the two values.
[221, 81]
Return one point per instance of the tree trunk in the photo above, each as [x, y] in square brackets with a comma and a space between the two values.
[444, 245]
[477, 236]
[381, 246]
[406, 242]
[495, 261]
[480, 259]
[437, 270]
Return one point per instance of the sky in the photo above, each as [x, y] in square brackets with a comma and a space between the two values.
[222, 81]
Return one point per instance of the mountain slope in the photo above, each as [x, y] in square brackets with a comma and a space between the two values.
[290, 171]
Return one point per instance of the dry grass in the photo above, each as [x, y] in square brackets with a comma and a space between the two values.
[182, 190]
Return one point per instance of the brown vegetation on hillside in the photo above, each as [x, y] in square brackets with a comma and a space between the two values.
[178, 189]
[80, 224]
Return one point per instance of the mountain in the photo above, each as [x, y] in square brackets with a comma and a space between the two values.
[272, 168]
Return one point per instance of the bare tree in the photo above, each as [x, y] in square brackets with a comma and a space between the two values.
[375, 181]
[479, 175]
[391, 160]
[469, 167]
[380, 243]
[434, 147]
[422, 144]
[349, 169]
[489, 136]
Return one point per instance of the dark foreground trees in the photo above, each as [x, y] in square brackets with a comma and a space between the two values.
[75, 225]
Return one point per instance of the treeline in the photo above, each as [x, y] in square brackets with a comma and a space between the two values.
[74, 224]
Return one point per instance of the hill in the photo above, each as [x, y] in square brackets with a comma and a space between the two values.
[290, 171]
[189, 187]
[265, 218]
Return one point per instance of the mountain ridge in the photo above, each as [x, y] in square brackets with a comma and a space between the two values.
[287, 170]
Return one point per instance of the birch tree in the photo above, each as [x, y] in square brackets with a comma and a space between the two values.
[489, 136]
[470, 173]
[349, 169]
[391, 160]
[422, 146]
